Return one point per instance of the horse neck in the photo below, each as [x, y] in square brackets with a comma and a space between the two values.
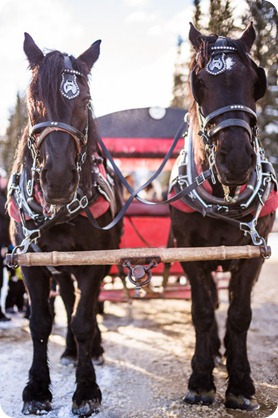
[200, 155]
[197, 142]
[87, 167]
[23, 154]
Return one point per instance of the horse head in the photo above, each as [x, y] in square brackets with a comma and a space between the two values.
[59, 114]
[225, 85]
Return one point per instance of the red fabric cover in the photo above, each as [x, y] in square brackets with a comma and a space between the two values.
[98, 208]
[270, 205]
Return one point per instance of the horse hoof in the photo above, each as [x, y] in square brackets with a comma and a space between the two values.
[36, 407]
[68, 361]
[203, 398]
[86, 409]
[240, 402]
[98, 361]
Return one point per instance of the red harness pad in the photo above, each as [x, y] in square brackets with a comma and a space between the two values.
[98, 207]
[270, 205]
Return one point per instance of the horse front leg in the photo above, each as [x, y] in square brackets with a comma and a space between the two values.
[240, 392]
[201, 387]
[67, 292]
[36, 395]
[87, 396]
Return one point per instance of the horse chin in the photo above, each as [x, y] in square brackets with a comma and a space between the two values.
[58, 200]
[234, 181]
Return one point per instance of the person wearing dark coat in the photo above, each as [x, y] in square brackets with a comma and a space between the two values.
[4, 233]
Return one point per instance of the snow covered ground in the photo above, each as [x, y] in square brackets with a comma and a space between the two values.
[148, 348]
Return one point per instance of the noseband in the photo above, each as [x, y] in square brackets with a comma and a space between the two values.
[41, 130]
[207, 134]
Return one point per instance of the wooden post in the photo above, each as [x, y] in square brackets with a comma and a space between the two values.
[138, 255]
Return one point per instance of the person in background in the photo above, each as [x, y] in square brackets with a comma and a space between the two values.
[4, 233]
[15, 301]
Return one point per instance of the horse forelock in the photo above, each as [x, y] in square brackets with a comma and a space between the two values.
[44, 90]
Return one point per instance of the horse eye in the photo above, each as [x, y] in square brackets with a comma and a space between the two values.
[87, 102]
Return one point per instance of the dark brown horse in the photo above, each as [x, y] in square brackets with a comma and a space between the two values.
[234, 206]
[58, 173]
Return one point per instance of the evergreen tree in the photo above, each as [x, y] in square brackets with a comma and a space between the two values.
[197, 13]
[265, 20]
[179, 84]
[221, 20]
[181, 67]
[17, 122]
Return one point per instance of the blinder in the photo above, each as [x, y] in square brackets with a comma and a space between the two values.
[193, 83]
[261, 82]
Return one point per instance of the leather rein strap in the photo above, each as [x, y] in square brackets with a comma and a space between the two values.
[134, 194]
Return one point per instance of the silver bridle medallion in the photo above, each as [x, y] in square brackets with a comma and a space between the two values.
[69, 87]
[216, 64]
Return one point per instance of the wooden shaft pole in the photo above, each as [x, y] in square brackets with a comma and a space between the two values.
[110, 257]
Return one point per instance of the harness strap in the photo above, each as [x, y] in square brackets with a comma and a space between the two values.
[230, 108]
[48, 127]
[228, 123]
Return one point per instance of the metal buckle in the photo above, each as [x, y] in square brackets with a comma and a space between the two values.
[81, 204]
[249, 228]
[30, 236]
[222, 209]
[200, 179]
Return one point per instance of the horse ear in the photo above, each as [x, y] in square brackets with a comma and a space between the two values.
[90, 56]
[32, 51]
[248, 37]
[195, 37]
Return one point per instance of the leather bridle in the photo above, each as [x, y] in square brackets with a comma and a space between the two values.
[207, 133]
[41, 130]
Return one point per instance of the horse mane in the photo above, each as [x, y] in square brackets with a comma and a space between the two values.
[43, 85]
[198, 62]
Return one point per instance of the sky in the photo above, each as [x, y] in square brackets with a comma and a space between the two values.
[138, 49]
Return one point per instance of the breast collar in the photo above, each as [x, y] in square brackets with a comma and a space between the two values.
[22, 207]
[250, 200]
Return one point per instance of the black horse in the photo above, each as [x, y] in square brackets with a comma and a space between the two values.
[59, 173]
[223, 148]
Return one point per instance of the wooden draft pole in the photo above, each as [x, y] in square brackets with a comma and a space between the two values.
[135, 255]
